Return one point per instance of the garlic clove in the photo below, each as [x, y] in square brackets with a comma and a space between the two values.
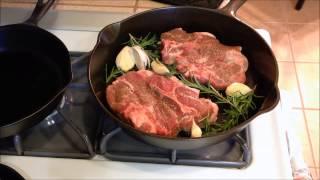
[141, 58]
[237, 89]
[195, 130]
[159, 68]
[125, 59]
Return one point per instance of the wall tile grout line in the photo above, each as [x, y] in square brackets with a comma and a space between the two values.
[307, 62]
[57, 4]
[135, 6]
[80, 5]
[314, 167]
[306, 108]
[297, 23]
[284, 61]
[301, 99]
[285, 22]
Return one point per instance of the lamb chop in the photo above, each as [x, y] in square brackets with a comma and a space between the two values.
[200, 55]
[158, 104]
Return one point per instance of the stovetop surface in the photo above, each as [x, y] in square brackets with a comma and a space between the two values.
[78, 129]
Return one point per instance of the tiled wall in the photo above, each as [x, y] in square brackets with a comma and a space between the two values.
[125, 6]
[295, 42]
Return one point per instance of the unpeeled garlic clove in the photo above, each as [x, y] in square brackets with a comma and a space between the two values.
[125, 60]
[141, 58]
[195, 130]
[237, 89]
[159, 68]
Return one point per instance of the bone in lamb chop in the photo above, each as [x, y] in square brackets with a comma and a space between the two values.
[158, 104]
[202, 56]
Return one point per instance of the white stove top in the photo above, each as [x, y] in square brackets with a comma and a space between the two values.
[269, 152]
[269, 147]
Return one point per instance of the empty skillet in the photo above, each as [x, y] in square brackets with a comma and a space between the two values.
[34, 71]
[262, 72]
[7, 173]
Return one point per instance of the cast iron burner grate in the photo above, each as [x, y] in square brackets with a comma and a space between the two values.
[232, 153]
[70, 131]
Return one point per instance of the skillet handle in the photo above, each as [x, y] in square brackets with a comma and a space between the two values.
[232, 7]
[39, 11]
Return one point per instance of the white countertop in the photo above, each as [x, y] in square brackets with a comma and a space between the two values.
[269, 147]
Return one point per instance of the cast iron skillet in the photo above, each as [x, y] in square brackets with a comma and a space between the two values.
[34, 71]
[262, 72]
[7, 173]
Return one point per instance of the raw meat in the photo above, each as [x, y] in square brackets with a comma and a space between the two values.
[158, 104]
[202, 56]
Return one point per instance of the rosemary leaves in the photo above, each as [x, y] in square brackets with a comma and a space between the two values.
[236, 108]
[115, 72]
[150, 43]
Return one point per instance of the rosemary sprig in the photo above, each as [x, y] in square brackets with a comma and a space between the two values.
[237, 108]
[194, 83]
[115, 72]
[173, 70]
[150, 43]
[144, 42]
[207, 127]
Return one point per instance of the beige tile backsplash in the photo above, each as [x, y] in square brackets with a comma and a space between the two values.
[305, 41]
[308, 75]
[287, 71]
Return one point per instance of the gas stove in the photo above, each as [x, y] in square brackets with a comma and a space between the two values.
[79, 142]
[110, 153]
[77, 129]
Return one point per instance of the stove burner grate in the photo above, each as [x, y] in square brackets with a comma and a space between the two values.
[233, 153]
